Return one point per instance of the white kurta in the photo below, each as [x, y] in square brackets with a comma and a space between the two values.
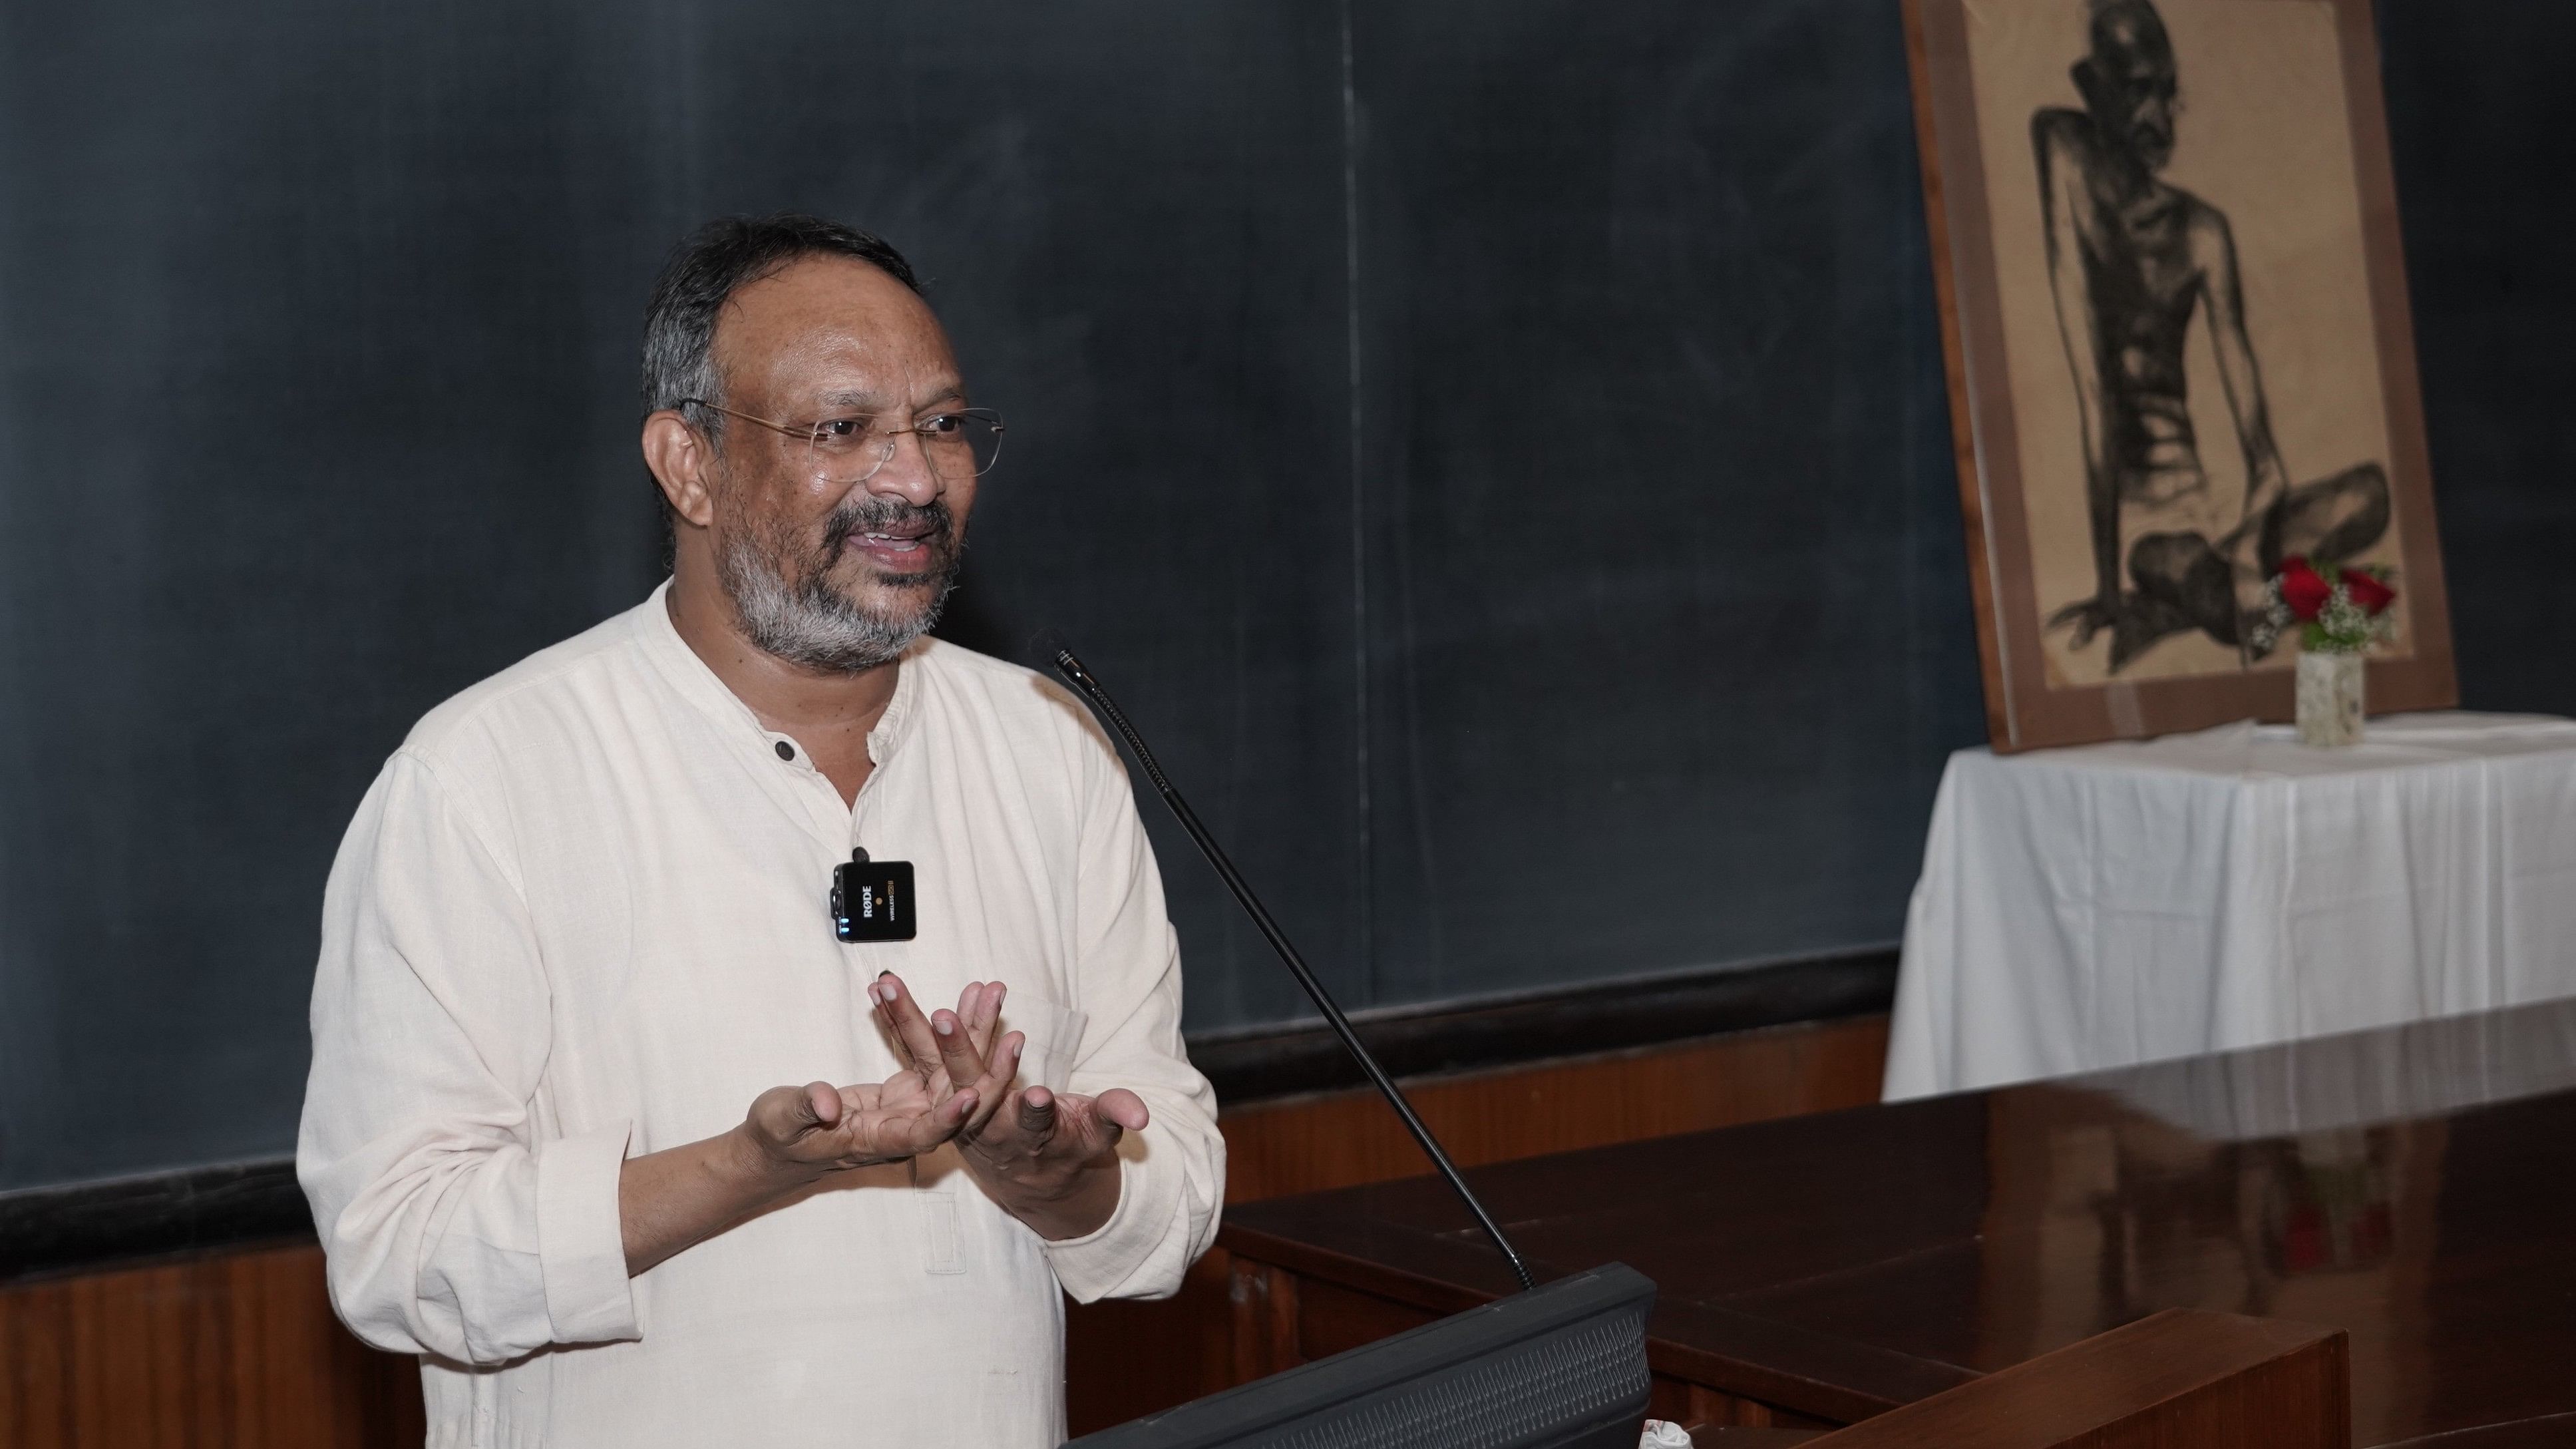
[581, 916]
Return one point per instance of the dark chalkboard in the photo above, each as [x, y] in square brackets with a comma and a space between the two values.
[1496, 450]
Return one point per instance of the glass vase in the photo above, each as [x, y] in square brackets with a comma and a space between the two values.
[2330, 699]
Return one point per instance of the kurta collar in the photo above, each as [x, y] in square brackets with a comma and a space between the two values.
[703, 688]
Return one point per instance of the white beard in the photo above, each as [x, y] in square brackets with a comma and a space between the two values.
[810, 623]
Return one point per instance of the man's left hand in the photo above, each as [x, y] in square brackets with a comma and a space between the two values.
[1051, 1159]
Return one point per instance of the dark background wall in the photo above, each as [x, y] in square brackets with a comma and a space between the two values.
[1489, 446]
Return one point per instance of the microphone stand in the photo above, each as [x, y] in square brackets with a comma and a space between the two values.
[1082, 679]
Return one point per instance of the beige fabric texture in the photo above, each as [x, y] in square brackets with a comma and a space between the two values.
[580, 916]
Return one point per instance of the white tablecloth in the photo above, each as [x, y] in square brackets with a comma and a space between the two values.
[2093, 907]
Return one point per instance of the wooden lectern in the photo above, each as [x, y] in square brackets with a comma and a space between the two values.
[1847, 1272]
[2180, 1378]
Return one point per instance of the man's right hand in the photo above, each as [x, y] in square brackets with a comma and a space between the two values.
[793, 1136]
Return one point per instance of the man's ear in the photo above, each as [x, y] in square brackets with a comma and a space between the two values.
[681, 457]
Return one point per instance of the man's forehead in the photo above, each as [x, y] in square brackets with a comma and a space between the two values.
[931, 391]
[842, 322]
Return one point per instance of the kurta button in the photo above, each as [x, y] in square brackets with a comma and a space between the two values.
[786, 751]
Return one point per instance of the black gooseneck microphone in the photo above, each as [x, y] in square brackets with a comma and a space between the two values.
[1061, 655]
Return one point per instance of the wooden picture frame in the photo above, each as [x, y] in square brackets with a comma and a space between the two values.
[2050, 130]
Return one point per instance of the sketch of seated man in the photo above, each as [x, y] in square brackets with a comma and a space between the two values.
[2130, 259]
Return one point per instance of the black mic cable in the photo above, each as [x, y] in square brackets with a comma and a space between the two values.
[1060, 654]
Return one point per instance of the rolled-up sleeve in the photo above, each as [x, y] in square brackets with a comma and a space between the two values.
[1128, 979]
[451, 1225]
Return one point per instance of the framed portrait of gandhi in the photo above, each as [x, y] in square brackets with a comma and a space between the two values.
[2174, 311]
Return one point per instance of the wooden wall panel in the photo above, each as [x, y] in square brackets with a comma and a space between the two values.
[1345, 1138]
[240, 1350]
[235, 1351]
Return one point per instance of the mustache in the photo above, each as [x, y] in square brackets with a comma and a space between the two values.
[873, 513]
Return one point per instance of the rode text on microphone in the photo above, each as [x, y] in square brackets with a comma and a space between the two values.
[872, 899]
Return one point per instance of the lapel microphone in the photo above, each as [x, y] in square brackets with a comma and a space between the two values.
[872, 899]
[1061, 655]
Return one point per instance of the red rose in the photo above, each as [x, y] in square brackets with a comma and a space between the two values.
[2368, 592]
[2303, 589]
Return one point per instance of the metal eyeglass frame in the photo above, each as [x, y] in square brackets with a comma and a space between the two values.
[812, 434]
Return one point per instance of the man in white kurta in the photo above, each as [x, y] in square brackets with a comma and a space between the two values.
[580, 919]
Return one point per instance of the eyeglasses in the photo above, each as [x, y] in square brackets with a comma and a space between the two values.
[958, 443]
